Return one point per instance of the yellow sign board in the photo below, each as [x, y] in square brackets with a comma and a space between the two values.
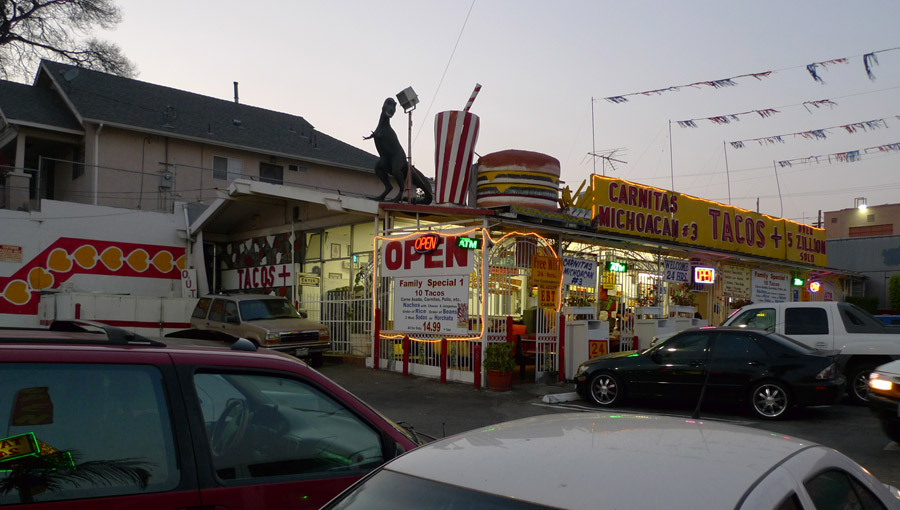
[545, 271]
[18, 446]
[805, 244]
[597, 348]
[549, 297]
[624, 207]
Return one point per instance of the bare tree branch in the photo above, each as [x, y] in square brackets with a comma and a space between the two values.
[31, 30]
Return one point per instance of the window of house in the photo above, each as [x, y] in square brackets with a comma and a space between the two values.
[227, 169]
[273, 174]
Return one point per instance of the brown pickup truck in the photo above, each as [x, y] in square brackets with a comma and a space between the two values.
[269, 321]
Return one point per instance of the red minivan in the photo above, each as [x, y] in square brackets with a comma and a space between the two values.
[111, 420]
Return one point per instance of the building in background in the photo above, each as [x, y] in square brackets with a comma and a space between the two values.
[866, 240]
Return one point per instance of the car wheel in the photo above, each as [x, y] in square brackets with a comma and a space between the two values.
[606, 390]
[316, 360]
[770, 400]
[858, 382]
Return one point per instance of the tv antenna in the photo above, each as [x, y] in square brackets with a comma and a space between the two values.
[608, 156]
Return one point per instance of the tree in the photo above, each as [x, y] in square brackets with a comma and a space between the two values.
[58, 30]
[894, 292]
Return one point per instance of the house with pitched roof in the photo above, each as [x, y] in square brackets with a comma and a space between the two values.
[90, 137]
[111, 186]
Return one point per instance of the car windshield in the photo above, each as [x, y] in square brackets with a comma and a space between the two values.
[257, 309]
[387, 490]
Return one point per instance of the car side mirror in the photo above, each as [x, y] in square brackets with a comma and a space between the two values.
[656, 356]
[303, 314]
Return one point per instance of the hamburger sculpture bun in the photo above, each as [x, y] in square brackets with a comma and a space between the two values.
[517, 177]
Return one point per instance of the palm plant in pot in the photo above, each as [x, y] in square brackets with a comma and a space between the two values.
[499, 361]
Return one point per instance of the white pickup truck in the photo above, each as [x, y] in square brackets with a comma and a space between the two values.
[863, 341]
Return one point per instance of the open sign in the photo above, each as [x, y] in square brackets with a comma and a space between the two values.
[403, 258]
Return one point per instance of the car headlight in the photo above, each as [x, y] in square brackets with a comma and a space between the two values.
[324, 335]
[581, 369]
[273, 337]
[876, 382]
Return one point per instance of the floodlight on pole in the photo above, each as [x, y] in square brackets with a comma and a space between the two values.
[408, 101]
[860, 203]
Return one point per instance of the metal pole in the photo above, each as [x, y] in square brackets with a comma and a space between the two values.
[593, 140]
[671, 157]
[409, 161]
[727, 175]
[775, 167]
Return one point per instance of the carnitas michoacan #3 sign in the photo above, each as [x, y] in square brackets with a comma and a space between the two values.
[410, 256]
[633, 209]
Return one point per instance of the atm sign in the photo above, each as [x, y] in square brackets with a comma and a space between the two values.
[616, 267]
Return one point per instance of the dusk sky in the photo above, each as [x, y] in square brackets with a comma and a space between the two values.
[543, 65]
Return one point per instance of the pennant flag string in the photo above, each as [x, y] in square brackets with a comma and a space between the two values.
[811, 68]
[869, 60]
[816, 134]
[726, 119]
[841, 157]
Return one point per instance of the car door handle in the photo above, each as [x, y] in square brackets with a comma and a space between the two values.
[754, 363]
[696, 363]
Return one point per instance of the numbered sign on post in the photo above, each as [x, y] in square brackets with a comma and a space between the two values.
[597, 348]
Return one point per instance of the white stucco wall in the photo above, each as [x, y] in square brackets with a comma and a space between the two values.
[122, 243]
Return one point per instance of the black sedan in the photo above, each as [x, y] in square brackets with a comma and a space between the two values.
[771, 372]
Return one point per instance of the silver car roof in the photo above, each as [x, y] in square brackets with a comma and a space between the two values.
[606, 460]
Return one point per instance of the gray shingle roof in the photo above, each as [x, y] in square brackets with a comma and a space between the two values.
[26, 104]
[107, 98]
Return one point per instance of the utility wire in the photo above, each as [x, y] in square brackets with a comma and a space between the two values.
[449, 60]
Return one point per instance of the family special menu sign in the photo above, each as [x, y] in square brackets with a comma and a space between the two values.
[436, 304]
[770, 287]
[431, 286]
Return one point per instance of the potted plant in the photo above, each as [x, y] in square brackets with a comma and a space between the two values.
[682, 299]
[499, 361]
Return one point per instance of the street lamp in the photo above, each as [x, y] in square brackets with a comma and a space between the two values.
[408, 101]
[860, 203]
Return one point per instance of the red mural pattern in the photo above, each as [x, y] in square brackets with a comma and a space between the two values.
[19, 293]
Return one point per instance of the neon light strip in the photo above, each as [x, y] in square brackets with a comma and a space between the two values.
[485, 237]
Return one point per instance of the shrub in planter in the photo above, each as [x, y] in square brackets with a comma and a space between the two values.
[500, 357]
[499, 361]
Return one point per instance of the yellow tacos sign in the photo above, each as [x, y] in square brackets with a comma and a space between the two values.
[627, 208]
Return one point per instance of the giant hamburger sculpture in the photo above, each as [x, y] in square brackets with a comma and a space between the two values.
[517, 177]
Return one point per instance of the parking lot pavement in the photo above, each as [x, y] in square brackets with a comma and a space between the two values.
[440, 410]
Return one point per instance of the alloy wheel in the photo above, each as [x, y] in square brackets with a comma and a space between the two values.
[605, 389]
[770, 400]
